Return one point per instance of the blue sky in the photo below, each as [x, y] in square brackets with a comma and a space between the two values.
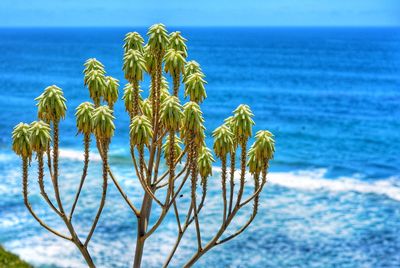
[15, 13]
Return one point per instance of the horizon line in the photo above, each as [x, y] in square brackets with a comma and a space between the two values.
[197, 26]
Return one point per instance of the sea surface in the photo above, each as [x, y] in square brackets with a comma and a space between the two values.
[331, 96]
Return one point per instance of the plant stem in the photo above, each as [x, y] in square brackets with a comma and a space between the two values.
[147, 200]
[84, 173]
[232, 180]
[193, 190]
[176, 81]
[243, 145]
[55, 167]
[28, 205]
[223, 182]
[104, 193]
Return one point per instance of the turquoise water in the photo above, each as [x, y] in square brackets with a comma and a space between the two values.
[331, 96]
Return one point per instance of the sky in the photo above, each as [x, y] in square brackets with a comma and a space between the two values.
[114, 13]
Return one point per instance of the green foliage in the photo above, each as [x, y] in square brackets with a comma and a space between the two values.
[102, 122]
[171, 113]
[51, 104]
[243, 122]
[83, 116]
[204, 162]
[265, 145]
[158, 39]
[134, 65]
[93, 65]
[190, 68]
[174, 62]
[133, 40]
[192, 123]
[40, 136]
[177, 42]
[149, 60]
[95, 81]
[177, 145]
[10, 260]
[261, 151]
[223, 141]
[195, 87]
[111, 90]
[140, 131]
[21, 140]
[129, 96]
[145, 105]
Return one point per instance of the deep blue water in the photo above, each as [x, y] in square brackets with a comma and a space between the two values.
[331, 96]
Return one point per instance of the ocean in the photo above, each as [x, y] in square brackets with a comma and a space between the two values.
[331, 96]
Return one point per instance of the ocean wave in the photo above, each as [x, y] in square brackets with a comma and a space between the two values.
[309, 180]
[314, 180]
[77, 155]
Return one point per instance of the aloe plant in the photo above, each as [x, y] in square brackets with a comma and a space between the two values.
[162, 127]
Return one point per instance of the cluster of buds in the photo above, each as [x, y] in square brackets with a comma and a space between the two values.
[160, 126]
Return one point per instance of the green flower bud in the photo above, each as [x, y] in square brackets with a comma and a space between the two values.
[93, 65]
[204, 161]
[102, 122]
[21, 140]
[128, 97]
[95, 81]
[243, 121]
[194, 87]
[51, 104]
[39, 136]
[171, 113]
[133, 40]
[83, 117]
[223, 141]
[177, 42]
[111, 90]
[261, 151]
[158, 38]
[174, 62]
[146, 108]
[134, 65]
[190, 68]
[140, 130]
[193, 123]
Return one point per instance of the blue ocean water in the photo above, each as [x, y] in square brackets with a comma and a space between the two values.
[331, 96]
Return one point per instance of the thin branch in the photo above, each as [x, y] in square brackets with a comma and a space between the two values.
[143, 183]
[176, 177]
[166, 172]
[104, 193]
[232, 180]
[123, 194]
[28, 205]
[84, 173]
[41, 184]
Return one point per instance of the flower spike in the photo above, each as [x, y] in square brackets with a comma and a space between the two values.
[51, 104]
[83, 116]
[40, 136]
[111, 90]
[223, 141]
[171, 113]
[21, 140]
[140, 131]
[133, 40]
[102, 122]
[177, 42]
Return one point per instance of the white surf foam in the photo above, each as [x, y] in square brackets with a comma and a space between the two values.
[77, 155]
[314, 180]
